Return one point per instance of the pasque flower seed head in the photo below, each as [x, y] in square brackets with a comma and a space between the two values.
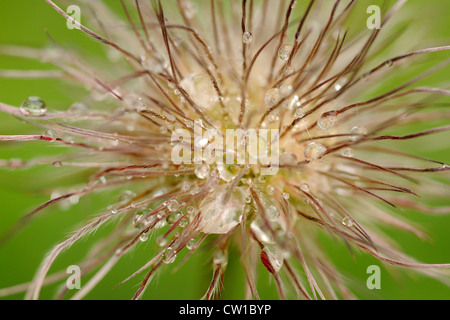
[176, 75]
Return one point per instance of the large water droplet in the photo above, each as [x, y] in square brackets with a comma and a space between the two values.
[247, 37]
[327, 120]
[347, 221]
[314, 151]
[347, 152]
[357, 132]
[304, 187]
[143, 237]
[33, 106]
[202, 171]
[190, 244]
[173, 205]
[169, 255]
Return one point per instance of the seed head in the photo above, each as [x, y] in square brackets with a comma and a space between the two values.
[177, 76]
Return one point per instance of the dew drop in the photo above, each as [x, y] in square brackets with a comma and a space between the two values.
[247, 37]
[173, 205]
[347, 152]
[314, 151]
[288, 71]
[299, 113]
[202, 171]
[169, 255]
[285, 51]
[143, 237]
[285, 195]
[389, 63]
[357, 132]
[57, 164]
[272, 97]
[304, 187]
[327, 120]
[184, 222]
[190, 210]
[51, 134]
[294, 4]
[33, 106]
[347, 221]
[190, 244]
[171, 218]
[220, 258]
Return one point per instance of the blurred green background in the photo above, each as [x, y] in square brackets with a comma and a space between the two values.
[25, 22]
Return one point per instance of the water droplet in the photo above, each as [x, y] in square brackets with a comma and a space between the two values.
[143, 237]
[194, 190]
[190, 210]
[184, 222]
[220, 258]
[285, 195]
[51, 134]
[247, 37]
[190, 244]
[202, 171]
[248, 199]
[357, 132]
[314, 151]
[173, 205]
[347, 152]
[327, 120]
[389, 63]
[285, 51]
[57, 164]
[33, 106]
[299, 113]
[304, 187]
[347, 221]
[169, 255]
[171, 218]
[288, 71]
[294, 4]
[270, 190]
[272, 97]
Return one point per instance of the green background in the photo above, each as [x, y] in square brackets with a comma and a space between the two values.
[24, 22]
